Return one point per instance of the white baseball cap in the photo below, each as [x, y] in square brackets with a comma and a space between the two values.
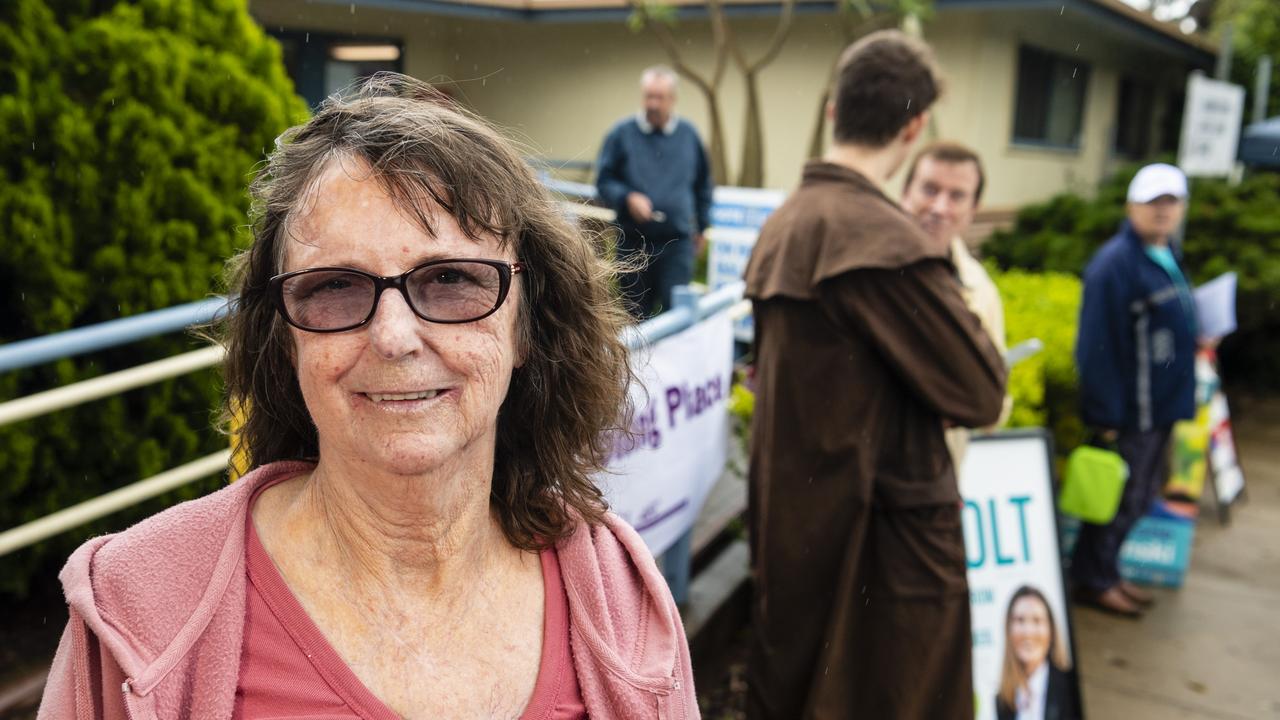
[1155, 180]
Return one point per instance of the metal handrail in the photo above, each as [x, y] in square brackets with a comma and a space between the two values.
[112, 333]
[69, 343]
[568, 188]
[689, 310]
[106, 385]
[127, 496]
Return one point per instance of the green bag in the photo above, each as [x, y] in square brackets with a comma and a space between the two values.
[1094, 483]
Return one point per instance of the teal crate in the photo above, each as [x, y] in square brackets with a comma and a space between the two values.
[1157, 552]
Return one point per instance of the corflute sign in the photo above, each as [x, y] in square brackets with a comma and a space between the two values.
[660, 472]
[1022, 648]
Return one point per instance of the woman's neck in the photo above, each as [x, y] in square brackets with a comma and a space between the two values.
[387, 533]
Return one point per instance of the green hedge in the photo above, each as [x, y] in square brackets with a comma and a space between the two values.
[128, 132]
[1044, 386]
[1228, 228]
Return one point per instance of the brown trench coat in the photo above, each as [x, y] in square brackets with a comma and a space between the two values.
[863, 347]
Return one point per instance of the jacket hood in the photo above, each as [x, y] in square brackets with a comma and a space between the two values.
[621, 609]
[149, 592]
[836, 222]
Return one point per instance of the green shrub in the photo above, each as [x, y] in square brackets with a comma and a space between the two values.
[128, 131]
[1228, 228]
[1044, 387]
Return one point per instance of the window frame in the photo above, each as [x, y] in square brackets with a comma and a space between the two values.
[310, 84]
[1042, 143]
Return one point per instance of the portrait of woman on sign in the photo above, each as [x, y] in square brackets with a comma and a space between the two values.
[1035, 679]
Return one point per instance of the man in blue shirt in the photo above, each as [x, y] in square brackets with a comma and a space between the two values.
[653, 172]
[1136, 355]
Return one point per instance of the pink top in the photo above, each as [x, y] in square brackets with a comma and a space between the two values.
[159, 611]
[288, 669]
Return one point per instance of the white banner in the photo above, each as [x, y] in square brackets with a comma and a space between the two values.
[661, 474]
[1011, 543]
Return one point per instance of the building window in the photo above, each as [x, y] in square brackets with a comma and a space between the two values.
[1171, 122]
[322, 64]
[1133, 119]
[1049, 106]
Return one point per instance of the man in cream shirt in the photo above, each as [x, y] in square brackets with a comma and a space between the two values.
[943, 188]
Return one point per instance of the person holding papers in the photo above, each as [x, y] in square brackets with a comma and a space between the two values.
[1136, 356]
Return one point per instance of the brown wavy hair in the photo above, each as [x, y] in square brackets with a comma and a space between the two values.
[1012, 674]
[564, 402]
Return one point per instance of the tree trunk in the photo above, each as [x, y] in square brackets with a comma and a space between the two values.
[818, 140]
[751, 174]
[715, 140]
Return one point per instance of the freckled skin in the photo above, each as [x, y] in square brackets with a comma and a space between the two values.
[397, 351]
[389, 544]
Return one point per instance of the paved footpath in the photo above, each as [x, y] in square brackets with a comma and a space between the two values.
[1212, 648]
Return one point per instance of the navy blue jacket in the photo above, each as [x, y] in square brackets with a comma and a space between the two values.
[671, 169]
[1135, 348]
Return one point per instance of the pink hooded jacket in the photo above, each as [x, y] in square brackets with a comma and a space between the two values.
[157, 619]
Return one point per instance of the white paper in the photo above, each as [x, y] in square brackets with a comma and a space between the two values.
[1216, 306]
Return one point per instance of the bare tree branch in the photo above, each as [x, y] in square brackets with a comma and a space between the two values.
[780, 34]
[721, 39]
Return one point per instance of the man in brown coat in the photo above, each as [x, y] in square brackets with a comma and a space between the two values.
[864, 350]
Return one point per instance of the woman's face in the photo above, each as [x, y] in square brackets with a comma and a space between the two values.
[1029, 631]
[459, 374]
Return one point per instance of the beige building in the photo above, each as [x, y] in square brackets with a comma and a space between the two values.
[1051, 93]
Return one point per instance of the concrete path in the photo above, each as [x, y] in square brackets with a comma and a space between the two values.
[1212, 648]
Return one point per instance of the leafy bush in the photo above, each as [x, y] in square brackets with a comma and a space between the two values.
[1044, 387]
[1228, 228]
[128, 131]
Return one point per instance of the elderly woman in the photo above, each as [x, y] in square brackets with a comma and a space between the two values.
[427, 360]
[1035, 683]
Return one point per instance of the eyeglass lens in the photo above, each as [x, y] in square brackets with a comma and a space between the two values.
[444, 292]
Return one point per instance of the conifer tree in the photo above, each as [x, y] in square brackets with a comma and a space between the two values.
[128, 132]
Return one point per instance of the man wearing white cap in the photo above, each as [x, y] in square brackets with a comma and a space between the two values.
[1135, 351]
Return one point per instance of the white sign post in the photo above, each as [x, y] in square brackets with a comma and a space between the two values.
[660, 473]
[1210, 127]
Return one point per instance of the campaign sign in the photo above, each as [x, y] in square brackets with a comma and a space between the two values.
[1157, 550]
[1022, 642]
[1227, 475]
[737, 214]
[660, 472]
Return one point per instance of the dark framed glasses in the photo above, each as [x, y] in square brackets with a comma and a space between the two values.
[334, 299]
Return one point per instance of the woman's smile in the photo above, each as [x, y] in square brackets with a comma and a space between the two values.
[404, 400]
